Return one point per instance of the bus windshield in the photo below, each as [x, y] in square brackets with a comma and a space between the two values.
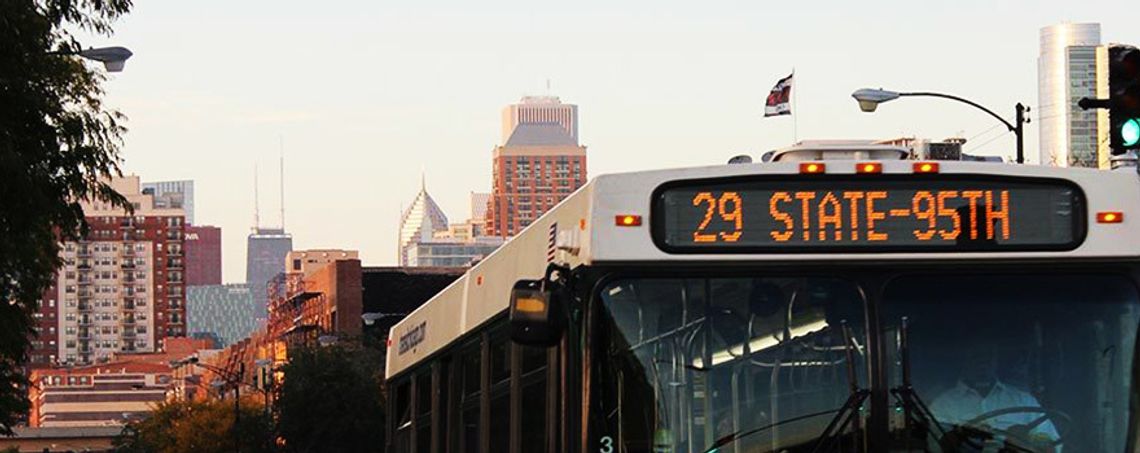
[1022, 362]
[994, 361]
[728, 364]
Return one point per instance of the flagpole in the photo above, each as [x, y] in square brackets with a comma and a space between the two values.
[795, 121]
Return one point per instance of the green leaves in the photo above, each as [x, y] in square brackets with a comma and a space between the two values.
[331, 400]
[58, 144]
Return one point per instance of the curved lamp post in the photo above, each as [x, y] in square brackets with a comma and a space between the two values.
[113, 58]
[869, 99]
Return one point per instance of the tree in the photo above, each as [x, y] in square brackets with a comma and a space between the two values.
[198, 427]
[58, 144]
[331, 400]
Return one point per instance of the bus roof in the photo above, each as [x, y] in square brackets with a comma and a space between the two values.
[582, 231]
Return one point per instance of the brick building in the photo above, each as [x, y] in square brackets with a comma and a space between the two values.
[538, 164]
[121, 288]
[319, 299]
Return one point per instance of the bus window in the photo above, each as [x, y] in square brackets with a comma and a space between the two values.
[726, 364]
[532, 401]
[471, 360]
[444, 408]
[403, 417]
[1038, 362]
[423, 412]
[500, 392]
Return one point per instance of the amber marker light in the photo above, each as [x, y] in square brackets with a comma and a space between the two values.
[926, 167]
[869, 168]
[811, 168]
[1109, 217]
[627, 220]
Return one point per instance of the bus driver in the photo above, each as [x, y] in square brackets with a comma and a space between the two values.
[978, 392]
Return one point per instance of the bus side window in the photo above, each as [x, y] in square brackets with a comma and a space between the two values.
[532, 399]
[423, 412]
[471, 361]
[500, 392]
[403, 417]
[442, 421]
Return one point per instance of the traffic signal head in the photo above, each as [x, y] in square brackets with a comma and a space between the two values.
[1124, 97]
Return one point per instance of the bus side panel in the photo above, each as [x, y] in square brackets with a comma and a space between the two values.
[484, 291]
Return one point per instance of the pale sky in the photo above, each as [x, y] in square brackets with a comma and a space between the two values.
[367, 93]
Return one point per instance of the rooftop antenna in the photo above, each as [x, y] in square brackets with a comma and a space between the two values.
[256, 208]
[547, 86]
[281, 145]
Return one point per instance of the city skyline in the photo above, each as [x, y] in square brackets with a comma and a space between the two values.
[663, 87]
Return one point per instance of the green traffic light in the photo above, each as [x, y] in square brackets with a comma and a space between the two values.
[1130, 132]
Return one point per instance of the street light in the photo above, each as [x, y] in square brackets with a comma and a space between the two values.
[870, 98]
[371, 318]
[113, 58]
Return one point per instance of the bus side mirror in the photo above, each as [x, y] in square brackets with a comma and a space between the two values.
[537, 314]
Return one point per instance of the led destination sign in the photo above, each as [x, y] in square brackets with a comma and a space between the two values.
[864, 214]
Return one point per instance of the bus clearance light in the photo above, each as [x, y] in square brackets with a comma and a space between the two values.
[811, 168]
[869, 168]
[1109, 217]
[628, 220]
[926, 167]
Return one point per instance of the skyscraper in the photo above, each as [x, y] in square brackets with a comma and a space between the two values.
[1072, 64]
[173, 195]
[538, 164]
[203, 255]
[120, 290]
[540, 110]
[419, 223]
[265, 258]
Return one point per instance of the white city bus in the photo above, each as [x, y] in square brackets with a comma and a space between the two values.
[830, 300]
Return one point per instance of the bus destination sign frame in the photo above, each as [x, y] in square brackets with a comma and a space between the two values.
[940, 213]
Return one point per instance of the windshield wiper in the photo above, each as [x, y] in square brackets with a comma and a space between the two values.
[914, 409]
[847, 412]
[740, 435]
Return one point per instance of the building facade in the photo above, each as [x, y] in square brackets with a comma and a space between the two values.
[121, 289]
[98, 395]
[538, 165]
[221, 312]
[540, 110]
[1072, 64]
[325, 300]
[203, 255]
[452, 252]
[308, 261]
[173, 195]
[265, 259]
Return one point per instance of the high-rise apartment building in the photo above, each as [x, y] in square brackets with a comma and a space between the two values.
[173, 195]
[265, 259]
[121, 288]
[538, 164]
[1072, 64]
[203, 255]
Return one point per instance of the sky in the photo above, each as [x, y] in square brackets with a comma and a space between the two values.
[361, 96]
